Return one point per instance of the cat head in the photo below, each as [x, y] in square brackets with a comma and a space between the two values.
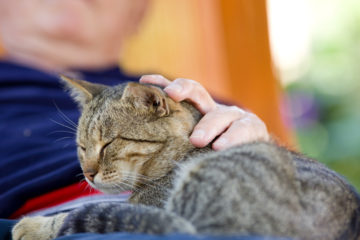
[129, 134]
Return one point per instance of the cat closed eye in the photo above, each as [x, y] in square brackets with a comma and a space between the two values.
[105, 146]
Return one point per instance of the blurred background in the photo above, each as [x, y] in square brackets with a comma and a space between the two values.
[316, 51]
[292, 62]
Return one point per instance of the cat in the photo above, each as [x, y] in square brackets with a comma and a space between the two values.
[134, 137]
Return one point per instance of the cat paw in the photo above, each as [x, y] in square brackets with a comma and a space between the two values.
[30, 228]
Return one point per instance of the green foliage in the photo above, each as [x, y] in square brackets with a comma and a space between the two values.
[330, 130]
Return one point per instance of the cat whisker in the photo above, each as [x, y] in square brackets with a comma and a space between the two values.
[80, 174]
[145, 182]
[120, 185]
[83, 182]
[133, 176]
[66, 145]
[142, 184]
[89, 187]
[126, 183]
[136, 189]
[63, 138]
[143, 179]
[64, 117]
[64, 125]
[63, 131]
[139, 179]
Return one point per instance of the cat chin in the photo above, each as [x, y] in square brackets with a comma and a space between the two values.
[93, 185]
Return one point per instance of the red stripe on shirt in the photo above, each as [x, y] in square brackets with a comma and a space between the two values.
[54, 198]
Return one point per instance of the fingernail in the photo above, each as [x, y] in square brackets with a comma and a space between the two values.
[198, 134]
[152, 77]
[221, 142]
[174, 87]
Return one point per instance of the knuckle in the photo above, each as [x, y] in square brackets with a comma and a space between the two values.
[188, 82]
[252, 115]
[234, 108]
[157, 76]
[195, 83]
[151, 76]
[231, 111]
[181, 81]
[260, 123]
[237, 112]
[240, 125]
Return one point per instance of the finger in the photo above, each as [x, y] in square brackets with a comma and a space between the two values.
[155, 79]
[214, 123]
[242, 131]
[185, 89]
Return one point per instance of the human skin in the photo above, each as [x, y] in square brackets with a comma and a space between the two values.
[55, 35]
[61, 35]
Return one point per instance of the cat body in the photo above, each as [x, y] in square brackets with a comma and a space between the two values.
[133, 137]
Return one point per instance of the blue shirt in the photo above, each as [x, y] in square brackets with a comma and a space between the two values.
[37, 138]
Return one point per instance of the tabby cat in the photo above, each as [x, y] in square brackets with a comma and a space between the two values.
[133, 137]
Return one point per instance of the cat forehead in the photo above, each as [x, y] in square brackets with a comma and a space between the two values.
[115, 93]
[107, 107]
[110, 98]
[112, 106]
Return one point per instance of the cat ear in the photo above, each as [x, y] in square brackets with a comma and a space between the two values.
[147, 96]
[82, 91]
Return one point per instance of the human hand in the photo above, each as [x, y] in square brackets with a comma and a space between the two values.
[66, 34]
[232, 124]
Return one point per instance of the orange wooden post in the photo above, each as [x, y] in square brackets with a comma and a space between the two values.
[181, 38]
[251, 78]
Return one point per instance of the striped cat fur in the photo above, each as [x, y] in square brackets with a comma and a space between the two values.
[133, 137]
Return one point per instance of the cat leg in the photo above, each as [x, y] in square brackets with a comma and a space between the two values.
[39, 228]
[115, 217]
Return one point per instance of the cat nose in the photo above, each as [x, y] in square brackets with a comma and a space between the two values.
[90, 174]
